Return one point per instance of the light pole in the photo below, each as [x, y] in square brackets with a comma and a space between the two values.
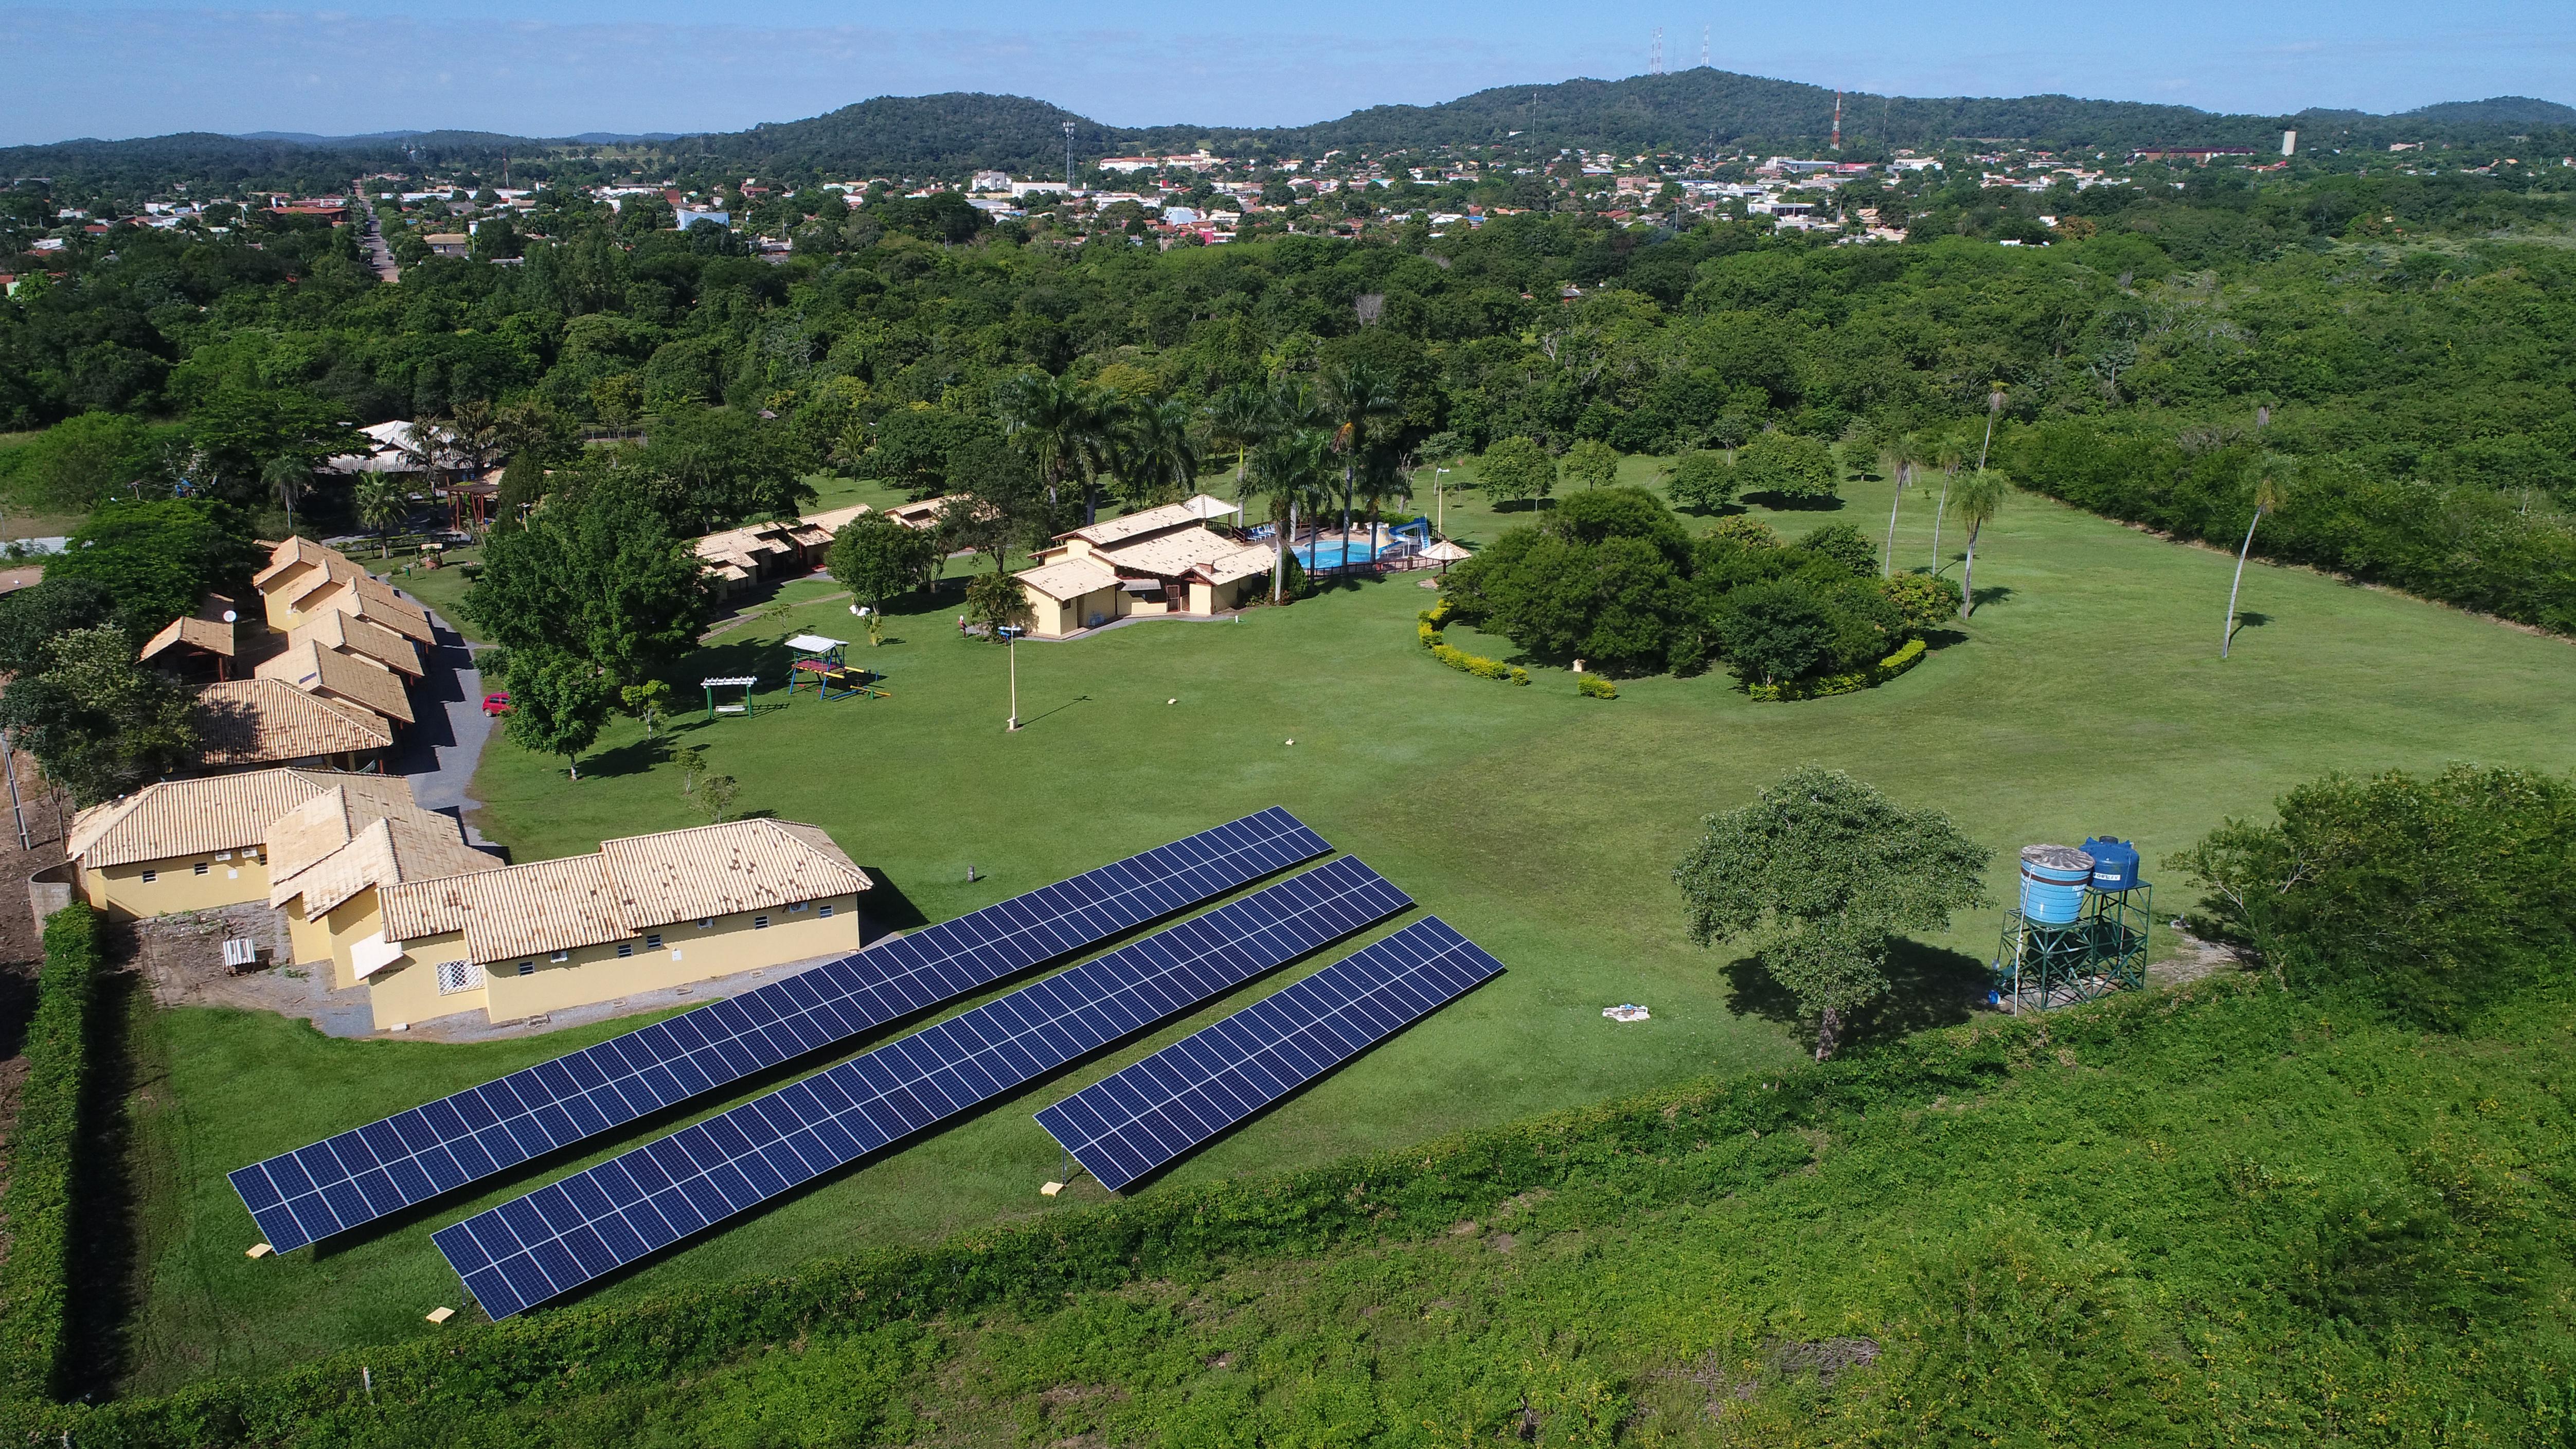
[1011, 647]
[1439, 501]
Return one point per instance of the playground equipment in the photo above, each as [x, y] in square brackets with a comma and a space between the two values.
[833, 675]
[2078, 930]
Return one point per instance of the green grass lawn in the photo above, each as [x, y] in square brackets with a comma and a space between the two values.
[2086, 698]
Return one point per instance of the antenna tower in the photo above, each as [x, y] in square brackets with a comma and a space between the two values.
[1703, 47]
[1838, 120]
[1068, 158]
[1655, 61]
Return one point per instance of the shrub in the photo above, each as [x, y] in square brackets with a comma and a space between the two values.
[1745, 529]
[1922, 601]
[1479, 665]
[1847, 683]
[35, 1296]
[1593, 686]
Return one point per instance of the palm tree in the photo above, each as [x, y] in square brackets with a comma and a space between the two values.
[1947, 458]
[1157, 457]
[289, 477]
[1062, 422]
[2271, 491]
[382, 503]
[1355, 392]
[1994, 409]
[1981, 497]
[1238, 418]
[1288, 468]
[1899, 460]
[1383, 479]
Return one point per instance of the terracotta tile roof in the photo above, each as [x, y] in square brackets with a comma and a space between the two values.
[329, 672]
[215, 812]
[924, 514]
[631, 886]
[258, 721]
[1067, 579]
[206, 634]
[1110, 531]
[354, 633]
[376, 602]
[714, 870]
[1179, 552]
[833, 520]
[337, 844]
[300, 552]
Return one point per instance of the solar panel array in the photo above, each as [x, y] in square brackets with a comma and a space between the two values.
[570, 1232]
[1128, 1124]
[384, 1167]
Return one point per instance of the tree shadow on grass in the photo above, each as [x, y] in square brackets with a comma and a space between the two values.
[1993, 594]
[635, 757]
[1798, 502]
[1927, 987]
[2247, 620]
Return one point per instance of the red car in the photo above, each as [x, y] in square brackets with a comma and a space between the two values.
[496, 704]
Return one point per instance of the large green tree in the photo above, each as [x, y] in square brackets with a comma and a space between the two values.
[101, 724]
[1516, 470]
[157, 559]
[1819, 874]
[876, 559]
[595, 573]
[558, 702]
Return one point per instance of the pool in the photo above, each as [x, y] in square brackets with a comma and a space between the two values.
[1335, 554]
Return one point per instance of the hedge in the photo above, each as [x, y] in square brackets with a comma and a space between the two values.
[35, 1296]
[1818, 688]
[1593, 686]
[1172, 1232]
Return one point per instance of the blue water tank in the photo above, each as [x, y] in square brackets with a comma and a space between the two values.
[2115, 863]
[2053, 878]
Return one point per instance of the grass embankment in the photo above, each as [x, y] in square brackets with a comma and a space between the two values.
[2219, 1214]
[2087, 697]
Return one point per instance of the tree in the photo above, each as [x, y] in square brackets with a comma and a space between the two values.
[1820, 872]
[1592, 463]
[1844, 545]
[1902, 456]
[2272, 474]
[1514, 469]
[77, 463]
[1981, 497]
[238, 431]
[716, 794]
[382, 502]
[101, 724]
[1786, 465]
[1356, 392]
[1240, 417]
[1289, 468]
[157, 559]
[994, 600]
[711, 468]
[876, 559]
[32, 618]
[558, 701]
[596, 574]
[1947, 457]
[646, 701]
[1775, 631]
[1703, 481]
[1063, 424]
[1157, 458]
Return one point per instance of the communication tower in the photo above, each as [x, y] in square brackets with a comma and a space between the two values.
[2078, 930]
[1703, 47]
[1068, 158]
[1838, 120]
[1655, 61]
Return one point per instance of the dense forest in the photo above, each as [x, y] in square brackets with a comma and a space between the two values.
[2389, 340]
[1685, 112]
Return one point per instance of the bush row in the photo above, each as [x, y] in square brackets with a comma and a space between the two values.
[1478, 665]
[35, 1296]
[1593, 686]
[1172, 1232]
[1877, 674]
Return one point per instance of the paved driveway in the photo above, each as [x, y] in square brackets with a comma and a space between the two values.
[440, 752]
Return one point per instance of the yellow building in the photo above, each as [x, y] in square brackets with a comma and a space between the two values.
[304, 578]
[192, 845]
[646, 913]
[341, 677]
[328, 857]
[1158, 561]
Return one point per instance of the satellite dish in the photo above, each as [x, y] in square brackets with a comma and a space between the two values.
[230, 617]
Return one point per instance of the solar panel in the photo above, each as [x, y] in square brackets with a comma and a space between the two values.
[1128, 1124]
[387, 1166]
[567, 1233]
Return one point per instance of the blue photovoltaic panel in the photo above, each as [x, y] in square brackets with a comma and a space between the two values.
[386, 1166]
[1130, 1123]
[567, 1233]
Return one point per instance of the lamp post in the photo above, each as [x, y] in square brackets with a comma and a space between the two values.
[1011, 647]
[1439, 501]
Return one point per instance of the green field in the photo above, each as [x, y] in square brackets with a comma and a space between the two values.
[2086, 698]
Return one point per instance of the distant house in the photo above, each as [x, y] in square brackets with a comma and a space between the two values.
[1159, 561]
[201, 645]
[646, 913]
[738, 558]
[449, 243]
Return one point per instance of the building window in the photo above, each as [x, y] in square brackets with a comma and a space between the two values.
[560, 957]
[709, 921]
[827, 909]
[760, 923]
[150, 876]
[202, 867]
[625, 949]
[455, 976]
[654, 941]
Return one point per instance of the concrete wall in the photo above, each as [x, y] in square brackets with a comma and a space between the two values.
[231, 878]
[332, 940]
[532, 985]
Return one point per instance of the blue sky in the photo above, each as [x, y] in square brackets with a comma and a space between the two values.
[553, 67]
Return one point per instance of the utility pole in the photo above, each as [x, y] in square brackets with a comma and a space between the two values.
[1068, 161]
[1838, 120]
[17, 807]
[1011, 646]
